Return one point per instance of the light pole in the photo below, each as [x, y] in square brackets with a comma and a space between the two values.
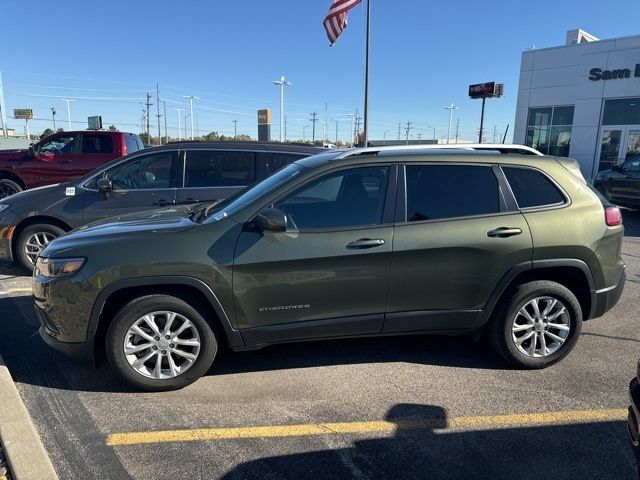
[235, 129]
[68, 100]
[282, 83]
[179, 132]
[451, 108]
[53, 114]
[190, 98]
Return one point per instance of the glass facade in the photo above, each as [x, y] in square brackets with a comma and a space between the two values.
[549, 129]
[623, 111]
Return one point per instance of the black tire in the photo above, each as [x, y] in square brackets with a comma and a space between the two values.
[21, 244]
[136, 309]
[500, 328]
[9, 187]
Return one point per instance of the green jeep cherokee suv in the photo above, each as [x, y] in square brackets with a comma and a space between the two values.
[376, 241]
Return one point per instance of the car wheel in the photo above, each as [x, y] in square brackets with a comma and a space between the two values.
[32, 240]
[8, 187]
[160, 342]
[537, 325]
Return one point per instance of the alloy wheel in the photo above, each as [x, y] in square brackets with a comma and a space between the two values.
[541, 327]
[8, 188]
[162, 345]
[36, 243]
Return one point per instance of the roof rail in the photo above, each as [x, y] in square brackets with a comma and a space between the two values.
[498, 147]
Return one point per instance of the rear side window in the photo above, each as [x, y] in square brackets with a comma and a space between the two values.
[532, 188]
[92, 144]
[449, 191]
[275, 161]
[219, 168]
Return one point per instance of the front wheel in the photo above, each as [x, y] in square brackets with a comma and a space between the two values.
[537, 325]
[160, 342]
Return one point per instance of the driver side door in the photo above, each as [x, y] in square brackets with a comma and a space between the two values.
[55, 161]
[327, 274]
[141, 183]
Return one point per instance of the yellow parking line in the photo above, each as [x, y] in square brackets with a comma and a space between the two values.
[381, 426]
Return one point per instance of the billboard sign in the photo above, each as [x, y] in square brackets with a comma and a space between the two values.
[95, 123]
[264, 116]
[23, 113]
[482, 90]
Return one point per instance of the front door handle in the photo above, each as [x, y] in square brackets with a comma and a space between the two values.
[365, 243]
[504, 232]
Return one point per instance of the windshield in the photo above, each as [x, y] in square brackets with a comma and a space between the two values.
[236, 202]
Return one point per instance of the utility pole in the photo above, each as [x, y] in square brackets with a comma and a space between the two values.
[399, 130]
[313, 120]
[53, 114]
[384, 135]
[325, 123]
[68, 100]
[166, 136]
[190, 98]
[451, 108]
[148, 117]
[158, 113]
[353, 126]
[358, 122]
[235, 129]
[408, 129]
[179, 132]
[3, 111]
[495, 133]
[457, 129]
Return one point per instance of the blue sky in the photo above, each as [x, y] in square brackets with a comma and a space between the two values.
[106, 55]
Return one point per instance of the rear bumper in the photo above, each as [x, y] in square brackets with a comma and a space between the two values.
[633, 426]
[606, 298]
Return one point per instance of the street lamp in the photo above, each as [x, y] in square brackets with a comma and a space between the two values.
[451, 108]
[282, 83]
[68, 100]
[179, 132]
[190, 98]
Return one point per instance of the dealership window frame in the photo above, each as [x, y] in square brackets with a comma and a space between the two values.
[549, 129]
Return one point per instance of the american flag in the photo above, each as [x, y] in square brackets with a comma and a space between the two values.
[336, 20]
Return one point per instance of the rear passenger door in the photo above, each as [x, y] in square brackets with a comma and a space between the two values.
[209, 175]
[456, 235]
[96, 149]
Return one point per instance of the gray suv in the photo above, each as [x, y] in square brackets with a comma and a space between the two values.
[175, 174]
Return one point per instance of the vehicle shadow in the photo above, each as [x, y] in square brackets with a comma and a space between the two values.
[421, 448]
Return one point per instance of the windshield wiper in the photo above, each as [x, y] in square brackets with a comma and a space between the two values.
[202, 212]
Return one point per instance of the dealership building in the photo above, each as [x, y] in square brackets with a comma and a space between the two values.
[581, 100]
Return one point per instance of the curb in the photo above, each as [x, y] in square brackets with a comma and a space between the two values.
[22, 447]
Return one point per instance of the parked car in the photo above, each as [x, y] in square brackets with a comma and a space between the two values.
[175, 174]
[365, 242]
[61, 157]
[621, 184]
[633, 419]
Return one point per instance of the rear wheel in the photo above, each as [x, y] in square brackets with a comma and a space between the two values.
[8, 187]
[537, 325]
[32, 240]
[160, 342]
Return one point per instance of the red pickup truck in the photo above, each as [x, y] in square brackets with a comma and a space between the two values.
[61, 157]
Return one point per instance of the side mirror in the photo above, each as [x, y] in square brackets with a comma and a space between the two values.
[104, 185]
[271, 220]
[32, 151]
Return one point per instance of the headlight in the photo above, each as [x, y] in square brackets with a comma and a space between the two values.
[58, 267]
[3, 206]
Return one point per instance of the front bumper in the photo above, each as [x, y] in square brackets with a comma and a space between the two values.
[605, 299]
[82, 350]
[633, 426]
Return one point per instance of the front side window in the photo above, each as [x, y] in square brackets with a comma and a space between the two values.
[349, 198]
[60, 145]
[146, 172]
[218, 169]
[449, 191]
[92, 144]
[532, 188]
[633, 164]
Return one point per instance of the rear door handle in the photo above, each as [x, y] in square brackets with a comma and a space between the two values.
[365, 243]
[504, 232]
[163, 203]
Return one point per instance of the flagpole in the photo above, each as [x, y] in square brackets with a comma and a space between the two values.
[366, 77]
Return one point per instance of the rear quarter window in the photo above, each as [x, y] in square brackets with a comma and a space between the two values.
[532, 188]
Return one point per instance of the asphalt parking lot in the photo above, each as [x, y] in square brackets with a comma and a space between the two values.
[421, 407]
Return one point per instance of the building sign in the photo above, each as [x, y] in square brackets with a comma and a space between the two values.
[23, 113]
[486, 90]
[596, 74]
[264, 116]
[95, 123]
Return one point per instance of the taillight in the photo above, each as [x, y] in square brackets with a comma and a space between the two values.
[612, 216]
